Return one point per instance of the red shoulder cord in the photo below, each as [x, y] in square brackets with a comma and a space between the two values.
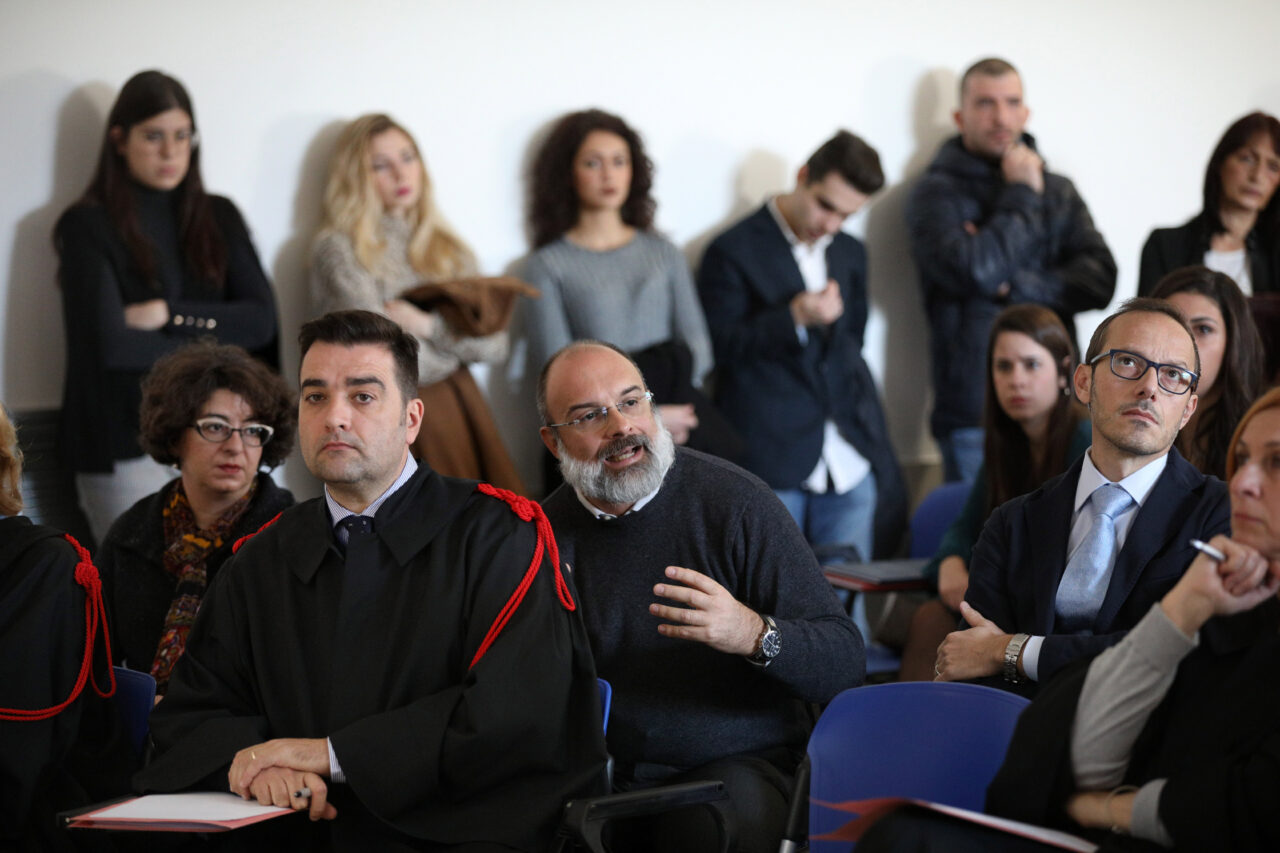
[245, 538]
[527, 510]
[94, 617]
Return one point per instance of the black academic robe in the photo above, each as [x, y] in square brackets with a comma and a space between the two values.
[80, 755]
[376, 655]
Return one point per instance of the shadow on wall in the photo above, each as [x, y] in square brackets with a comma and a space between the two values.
[33, 314]
[762, 174]
[290, 270]
[894, 286]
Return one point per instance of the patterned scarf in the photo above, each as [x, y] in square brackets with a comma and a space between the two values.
[186, 548]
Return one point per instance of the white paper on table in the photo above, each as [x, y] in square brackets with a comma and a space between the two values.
[193, 806]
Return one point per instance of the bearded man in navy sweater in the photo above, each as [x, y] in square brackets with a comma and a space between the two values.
[704, 605]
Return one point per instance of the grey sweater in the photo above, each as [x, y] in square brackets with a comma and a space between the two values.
[339, 281]
[633, 297]
[681, 703]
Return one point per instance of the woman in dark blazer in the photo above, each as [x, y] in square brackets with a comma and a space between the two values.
[1237, 232]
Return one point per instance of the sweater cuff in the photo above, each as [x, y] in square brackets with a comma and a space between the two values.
[1144, 821]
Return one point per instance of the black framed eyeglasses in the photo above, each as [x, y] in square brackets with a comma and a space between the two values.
[631, 408]
[218, 431]
[1131, 366]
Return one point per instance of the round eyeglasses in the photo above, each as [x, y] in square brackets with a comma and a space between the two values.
[1130, 365]
[218, 431]
[631, 408]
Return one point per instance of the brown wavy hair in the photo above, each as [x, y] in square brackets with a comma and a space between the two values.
[10, 467]
[182, 381]
[204, 249]
[553, 202]
[1010, 465]
[1241, 375]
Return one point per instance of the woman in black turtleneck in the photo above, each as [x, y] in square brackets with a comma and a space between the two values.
[149, 260]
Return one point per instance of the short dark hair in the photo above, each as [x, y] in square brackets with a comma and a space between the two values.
[553, 202]
[353, 327]
[1235, 138]
[543, 414]
[181, 382]
[855, 160]
[991, 66]
[1146, 305]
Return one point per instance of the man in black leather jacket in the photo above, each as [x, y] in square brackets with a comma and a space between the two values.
[991, 227]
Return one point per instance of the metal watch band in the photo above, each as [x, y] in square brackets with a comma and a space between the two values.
[1011, 653]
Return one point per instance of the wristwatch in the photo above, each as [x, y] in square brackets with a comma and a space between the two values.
[768, 644]
[1011, 653]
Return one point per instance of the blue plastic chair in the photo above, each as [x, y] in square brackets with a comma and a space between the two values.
[934, 515]
[606, 702]
[933, 741]
[136, 696]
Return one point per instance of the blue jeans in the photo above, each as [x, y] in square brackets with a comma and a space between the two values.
[835, 519]
[961, 454]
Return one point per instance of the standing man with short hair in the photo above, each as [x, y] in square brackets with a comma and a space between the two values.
[991, 227]
[1064, 572]
[367, 646]
[785, 295]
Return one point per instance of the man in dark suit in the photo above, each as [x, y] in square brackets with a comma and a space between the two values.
[1062, 573]
[785, 294]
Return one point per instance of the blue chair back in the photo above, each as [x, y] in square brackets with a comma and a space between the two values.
[136, 696]
[606, 701]
[933, 741]
[934, 515]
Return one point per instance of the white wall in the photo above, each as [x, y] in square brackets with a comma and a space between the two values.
[731, 95]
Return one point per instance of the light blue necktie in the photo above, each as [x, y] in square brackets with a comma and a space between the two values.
[1084, 583]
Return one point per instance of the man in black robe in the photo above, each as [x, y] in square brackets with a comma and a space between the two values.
[372, 647]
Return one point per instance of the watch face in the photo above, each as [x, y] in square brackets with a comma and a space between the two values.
[770, 644]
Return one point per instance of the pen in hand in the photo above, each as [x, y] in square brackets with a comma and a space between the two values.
[1208, 550]
[303, 794]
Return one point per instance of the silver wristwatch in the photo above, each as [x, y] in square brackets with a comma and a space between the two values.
[768, 644]
[1011, 653]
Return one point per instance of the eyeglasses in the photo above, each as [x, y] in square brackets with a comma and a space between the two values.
[631, 408]
[218, 431]
[181, 138]
[1130, 365]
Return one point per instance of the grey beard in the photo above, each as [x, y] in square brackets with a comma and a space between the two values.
[600, 485]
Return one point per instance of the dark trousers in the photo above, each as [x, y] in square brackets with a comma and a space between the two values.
[759, 788]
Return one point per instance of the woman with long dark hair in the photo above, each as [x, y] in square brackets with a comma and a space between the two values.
[1231, 361]
[1237, 231]
[1033, 431]
[603, 271]
[148, 261]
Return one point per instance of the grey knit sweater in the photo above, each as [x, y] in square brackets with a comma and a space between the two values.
[681, 703]
[635, 296]
[340, 281]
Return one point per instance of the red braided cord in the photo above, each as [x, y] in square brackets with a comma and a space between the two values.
[86, 575]
[245, 538]
[526, 510]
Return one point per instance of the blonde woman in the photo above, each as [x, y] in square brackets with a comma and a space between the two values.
[382, 237]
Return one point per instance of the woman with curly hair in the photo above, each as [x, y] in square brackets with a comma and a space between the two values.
[219, 416]
[383, 236]
[148, 262]
[1231, 361]
[603, 271]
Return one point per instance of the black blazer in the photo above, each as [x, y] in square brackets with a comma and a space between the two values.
[1022, 553]
[1168, 249]
[779, 392]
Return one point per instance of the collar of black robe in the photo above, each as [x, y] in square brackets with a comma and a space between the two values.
[411, 518]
